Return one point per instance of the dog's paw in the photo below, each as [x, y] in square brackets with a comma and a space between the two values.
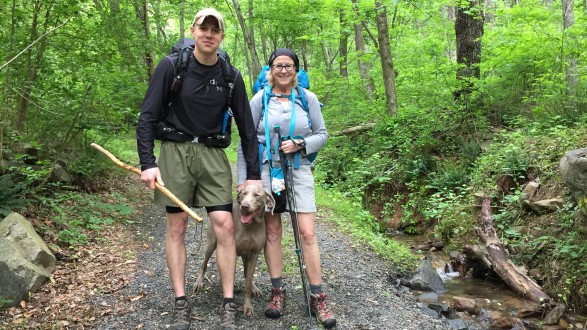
[248, 309]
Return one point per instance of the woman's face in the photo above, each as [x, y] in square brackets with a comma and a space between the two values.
[283, 71]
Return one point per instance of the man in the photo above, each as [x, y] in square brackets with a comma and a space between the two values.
[198, 175]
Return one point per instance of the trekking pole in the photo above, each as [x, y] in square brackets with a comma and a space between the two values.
[286, 165]
[161, 188]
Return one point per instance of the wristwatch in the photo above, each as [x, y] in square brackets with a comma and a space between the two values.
[302, 144]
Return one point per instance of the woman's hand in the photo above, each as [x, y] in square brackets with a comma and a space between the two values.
[290, 146]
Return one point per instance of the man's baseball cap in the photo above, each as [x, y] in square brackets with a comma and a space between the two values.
[202, 14]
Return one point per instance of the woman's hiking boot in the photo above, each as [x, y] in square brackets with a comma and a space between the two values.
[229, 318]
[319, 308]
[181, 316]
[276, 304]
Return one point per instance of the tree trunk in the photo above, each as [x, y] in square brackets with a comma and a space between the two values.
[492, 252]
[343, 45]
[360, 48]
[570, 59]
[143, 15]
[33, 64]
[181, 19]
[468, 30]
[256, 66]
[386, 59]
[326, 54]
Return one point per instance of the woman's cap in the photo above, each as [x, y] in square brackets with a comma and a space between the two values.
[202, 14]
[284, 52]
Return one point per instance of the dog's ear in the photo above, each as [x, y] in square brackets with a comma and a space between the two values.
[269, 201]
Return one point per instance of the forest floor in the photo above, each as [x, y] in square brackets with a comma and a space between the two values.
[121, 282]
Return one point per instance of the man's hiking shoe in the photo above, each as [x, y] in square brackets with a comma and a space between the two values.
[181, 316]
[276, 304]
[229, 318]
[319, 308]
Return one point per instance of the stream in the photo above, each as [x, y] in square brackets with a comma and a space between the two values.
[495, 298]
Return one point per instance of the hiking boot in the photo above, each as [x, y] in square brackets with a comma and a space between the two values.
[276, 304]
[181, 316]
[229, 319]
[319, 308]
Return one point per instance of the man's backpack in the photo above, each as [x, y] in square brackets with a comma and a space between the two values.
[181, 55]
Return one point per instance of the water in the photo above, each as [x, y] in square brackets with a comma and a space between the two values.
[491, 296]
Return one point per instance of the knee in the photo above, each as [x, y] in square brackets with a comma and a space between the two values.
[177, 230]
[273, 234]
[308, 236]
[223, 227]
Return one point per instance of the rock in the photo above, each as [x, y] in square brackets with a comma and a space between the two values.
[60, 174]
[554, 314]
[25, 260]
[426, 279]
[573, 168]
[529, 192]
[465, 305]
[456, 324]
[547, 205]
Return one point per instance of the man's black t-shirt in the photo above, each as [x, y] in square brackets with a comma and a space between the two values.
[197, 109]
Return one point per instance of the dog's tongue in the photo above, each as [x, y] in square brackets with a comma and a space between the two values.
[246, 219]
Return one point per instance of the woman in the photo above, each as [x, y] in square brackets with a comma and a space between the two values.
[307, 134]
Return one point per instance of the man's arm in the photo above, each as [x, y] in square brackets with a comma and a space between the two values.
[152, 112]
[246, 128]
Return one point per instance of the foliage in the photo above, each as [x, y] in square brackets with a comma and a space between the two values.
[11, 194]
[362, 226]
[75, 218]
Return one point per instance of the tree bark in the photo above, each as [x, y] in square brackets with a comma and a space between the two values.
[360, 48]
[570, 59]
[468, 29]
[143, 15]
[256, 66]
[386, 59]
[492, 252]
[33, 64]
[181, 19]
[343, 45]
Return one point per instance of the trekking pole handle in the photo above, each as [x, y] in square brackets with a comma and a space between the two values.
[161, 188]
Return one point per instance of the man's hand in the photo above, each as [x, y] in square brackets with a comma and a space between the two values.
[150, 175]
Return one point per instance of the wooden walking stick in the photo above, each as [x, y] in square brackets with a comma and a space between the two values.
[157, 185]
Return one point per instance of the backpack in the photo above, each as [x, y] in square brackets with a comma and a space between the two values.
[303, 79]
[300, 97]
[180, 54]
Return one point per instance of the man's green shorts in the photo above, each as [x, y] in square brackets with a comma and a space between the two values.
[198, 175]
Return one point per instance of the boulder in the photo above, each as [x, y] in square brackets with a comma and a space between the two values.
[573, 168]
[426, 279]
[25, 260]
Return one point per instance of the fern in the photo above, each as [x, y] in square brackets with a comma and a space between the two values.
[11, 194]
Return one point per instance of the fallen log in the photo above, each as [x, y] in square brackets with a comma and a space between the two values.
[492, 253]
[355, 129]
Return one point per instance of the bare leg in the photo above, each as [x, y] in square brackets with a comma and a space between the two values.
[225, 250]
[310, 247]
[175, 253]
[273, 251]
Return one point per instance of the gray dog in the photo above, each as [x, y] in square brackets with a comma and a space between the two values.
[248, 216]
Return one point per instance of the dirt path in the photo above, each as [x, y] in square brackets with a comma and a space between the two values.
[355, 279]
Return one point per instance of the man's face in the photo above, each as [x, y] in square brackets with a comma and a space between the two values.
[207, 35]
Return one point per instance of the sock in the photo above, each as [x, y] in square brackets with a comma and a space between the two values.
[277, 282]
[316, 289]
[226, 301]
[180, 298]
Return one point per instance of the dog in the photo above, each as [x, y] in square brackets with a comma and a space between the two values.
[248, 216]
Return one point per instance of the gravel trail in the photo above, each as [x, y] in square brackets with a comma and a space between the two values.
[355, 279]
